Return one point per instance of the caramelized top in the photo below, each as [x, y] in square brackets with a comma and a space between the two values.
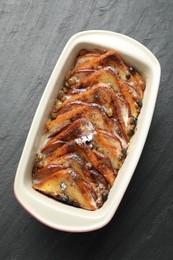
[89, 129]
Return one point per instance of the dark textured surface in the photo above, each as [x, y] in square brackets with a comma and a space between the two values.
[32, 36]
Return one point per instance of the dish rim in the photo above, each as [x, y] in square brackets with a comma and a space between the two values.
[21, 189]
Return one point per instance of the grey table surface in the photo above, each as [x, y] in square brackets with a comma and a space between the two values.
[32, 36]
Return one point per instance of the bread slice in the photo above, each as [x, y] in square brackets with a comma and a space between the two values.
[92, 112]
[99, 161]
[79, 165]
[82, 131]
[67, 186]
[113, 60]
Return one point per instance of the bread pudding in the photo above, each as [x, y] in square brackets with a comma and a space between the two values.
[87, 135]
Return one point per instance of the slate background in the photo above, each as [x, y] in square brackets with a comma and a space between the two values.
[32, 36]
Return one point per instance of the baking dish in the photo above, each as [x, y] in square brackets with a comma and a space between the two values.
[53, 213]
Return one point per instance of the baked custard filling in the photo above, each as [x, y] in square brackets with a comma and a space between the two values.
[87, 135]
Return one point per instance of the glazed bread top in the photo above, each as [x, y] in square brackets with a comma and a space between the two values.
[90, 126]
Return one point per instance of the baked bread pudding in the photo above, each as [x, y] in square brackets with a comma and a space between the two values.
[89, 129]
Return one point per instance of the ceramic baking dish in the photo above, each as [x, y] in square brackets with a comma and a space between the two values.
[56, 214]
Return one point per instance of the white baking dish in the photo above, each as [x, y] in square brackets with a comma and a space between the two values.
[54, 213]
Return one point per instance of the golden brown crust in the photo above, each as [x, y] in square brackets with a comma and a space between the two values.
[91, 124]
[67, 185]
